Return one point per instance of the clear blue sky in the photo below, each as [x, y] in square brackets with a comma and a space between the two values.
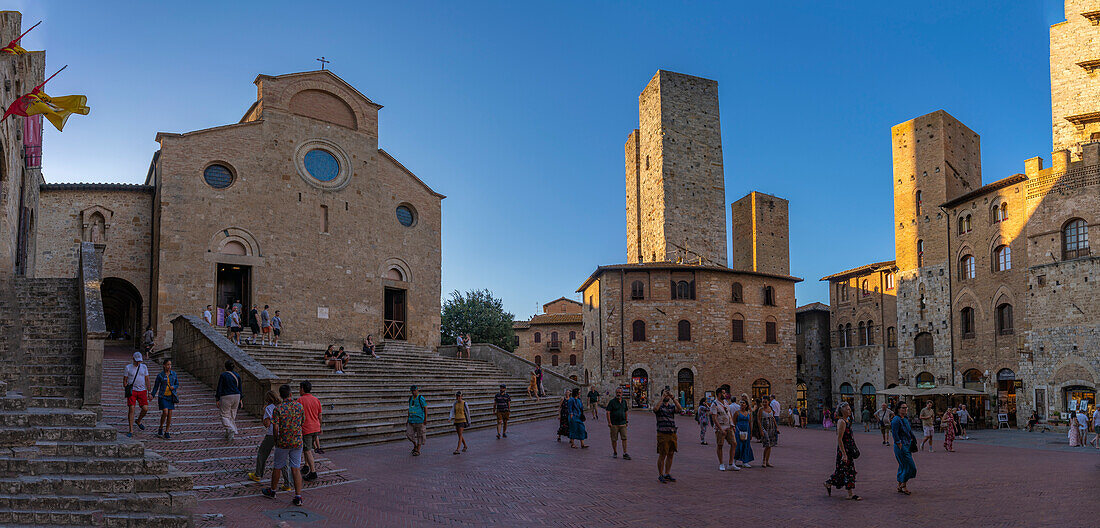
[518, 112]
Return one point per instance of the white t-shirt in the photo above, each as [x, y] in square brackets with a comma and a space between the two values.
[136, 375]
[206, 315]
[775, 407]
[734, 408]
[269, 413]
[1083, 420]
[719, 413]
[964, 416]
[1096, 417]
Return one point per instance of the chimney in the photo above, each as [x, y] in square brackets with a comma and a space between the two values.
[1033, 166]
[1059, 160]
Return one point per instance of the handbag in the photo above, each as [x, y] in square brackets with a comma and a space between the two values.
[129, 390]
[743, 435]
[853, 453]
[913, 445]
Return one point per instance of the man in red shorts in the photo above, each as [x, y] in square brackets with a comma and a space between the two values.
[135, 379]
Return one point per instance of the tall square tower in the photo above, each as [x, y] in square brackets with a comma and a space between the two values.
[675, 186]
[760, 234]
[1075, 76]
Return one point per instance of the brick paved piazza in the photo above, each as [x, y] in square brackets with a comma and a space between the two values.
[1003, 478]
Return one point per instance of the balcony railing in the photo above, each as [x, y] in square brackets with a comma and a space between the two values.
[553, 345]
[32, 156]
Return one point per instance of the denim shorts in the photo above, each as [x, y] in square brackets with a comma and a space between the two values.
[283, 456]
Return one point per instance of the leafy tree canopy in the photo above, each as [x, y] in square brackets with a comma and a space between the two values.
[479, 314]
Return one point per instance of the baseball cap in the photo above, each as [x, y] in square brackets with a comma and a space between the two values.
[137, 356]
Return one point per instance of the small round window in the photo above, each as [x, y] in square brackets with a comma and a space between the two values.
[322, 165]
[405, 215]
[218, 176]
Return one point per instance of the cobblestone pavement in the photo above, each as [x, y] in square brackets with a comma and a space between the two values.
[529, 479]
[198, 445]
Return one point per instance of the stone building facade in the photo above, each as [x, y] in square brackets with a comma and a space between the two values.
[813, 361]
[296, 193]
[994, 282]
[863, 334]
[554, 338]
[675, 315]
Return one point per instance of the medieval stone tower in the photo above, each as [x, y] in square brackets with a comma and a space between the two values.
[936, 158]
[760, 234]
[1074, 65]
[675, 188]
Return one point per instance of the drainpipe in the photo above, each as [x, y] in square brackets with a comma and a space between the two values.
[951, 311]
[622, 320]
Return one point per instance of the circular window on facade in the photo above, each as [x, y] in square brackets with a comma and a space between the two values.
[322, 165]
[218, 176]
[405, 215]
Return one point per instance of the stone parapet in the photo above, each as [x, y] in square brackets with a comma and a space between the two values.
[93, 326]
[552, 382]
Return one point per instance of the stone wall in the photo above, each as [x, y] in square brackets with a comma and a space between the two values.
[760, 239]
[1073, 89]
[541, 353]
[553, 382]
[815, 368]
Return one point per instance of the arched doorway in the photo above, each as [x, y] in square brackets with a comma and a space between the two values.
[800, 399]
[847, 394]
[1006, 394]
[761, 388]
[639, 387]
[1080, 398]
[925, 380]
[685, 388]
[121, 309]
[867, 398]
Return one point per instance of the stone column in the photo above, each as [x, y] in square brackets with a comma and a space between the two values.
[93, 325]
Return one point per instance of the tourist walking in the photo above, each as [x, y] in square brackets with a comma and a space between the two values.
[575, 408]
[460, 416]
[1083, 424]
[368, 346]
[253, 324]
[311, 427]
[947, 421]
[414, 425]
[905, 444]
[276, 328]
[866, 419]
[776, 407]
[533, 386]
[135, 379]
[265, 325]
[964, 420]
[796, 419]
[666, 411]
[928, 424]
[593, 402]
[502, 407]
[883, 416]
[617, 422]
[228, 398]
[207, 316]
[844, 476]
[538, 379]
[826, 419]
[563, 416]
[722, 420]
[166, 390]
[235, 325]
[769, 433]
[743, 427]
[271, 399]
[1096, 427]
[1074, 433]
[702, 415]
[286, 425]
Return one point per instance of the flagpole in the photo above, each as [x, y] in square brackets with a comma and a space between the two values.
[27, 31]
[51, 77]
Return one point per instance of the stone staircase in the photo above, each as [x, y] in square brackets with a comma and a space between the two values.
[198, 447]
[369, 402]
[60, 466]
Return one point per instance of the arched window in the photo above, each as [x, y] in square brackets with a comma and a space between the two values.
[966, 267]
[848, 334]
[1002, 258]
[637, 290]
[840, 343]
[683, 289]
[995, 215]
[736, 293]
[683, 330]
[738, 329]
[572, 359]
[771, 332]
[847, 394]
[925, 380]
[922, 345]
[892, 337]
[572, 335]
[962, 227]
[920, 253]
[870, 332]
[966, 322]
[842, 290]
[972, 379]
[1004, 319]
[538, 360]
[769, 296]
[867, 397]
[538, 337]
[761, 388]
[637, 329]
[554, 337]
[919, 204]
[862, 334]
[967, 223]
[863, 287]
[1075, 239]
[553, 360]
[1004, 211]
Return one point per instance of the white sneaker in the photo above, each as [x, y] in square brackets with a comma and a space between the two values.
[746, 465]
[734, 467]
[339, 372]
[721, 467]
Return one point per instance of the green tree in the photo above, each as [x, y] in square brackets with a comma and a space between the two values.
[479, 314]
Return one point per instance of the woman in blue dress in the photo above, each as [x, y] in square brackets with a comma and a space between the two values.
[742, 434]
[575, 408]
[904, 444]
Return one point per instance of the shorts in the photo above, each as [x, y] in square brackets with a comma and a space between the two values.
[883, 427]
[267, 329]
[235, 329]
[415, 433]
[255, 328]
[503, 415]
[138, 398]
[666, 443]
[307, 441]
[292, 456]
[165, 403]
[277, 332]
[929, 430]
[723, 436]
[461, 425]
[618, 431]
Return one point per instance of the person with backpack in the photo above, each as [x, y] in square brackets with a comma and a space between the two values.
[166, 390]
[415, 425]
[228, 398]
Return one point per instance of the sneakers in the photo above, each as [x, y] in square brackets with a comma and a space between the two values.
[311, 476]
[669, 478]
[733, 467]
[160, 433]
[129, 435]
[297, 500]
[339, 372]
[505, 435]
[167, 436]
[614, 455]
[626, 456]
[721, 467]
[286, 486]
[661, 479]
[253, 477]
[746, 465]
[268, 492]
[140, 426]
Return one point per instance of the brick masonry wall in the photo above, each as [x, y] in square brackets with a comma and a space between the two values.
[530, 350]
[760, 234]
[1073, 89]
[812, 344]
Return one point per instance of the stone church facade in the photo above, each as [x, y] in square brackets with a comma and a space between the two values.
[297, 194]
[995, 283]
[675, 315]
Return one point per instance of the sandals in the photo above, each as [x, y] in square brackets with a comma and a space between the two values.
[905, 491]
[855, 498]
[828, 489]
[456, 452]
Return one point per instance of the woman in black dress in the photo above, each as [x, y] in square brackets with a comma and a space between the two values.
[563, 416]
[846, 453]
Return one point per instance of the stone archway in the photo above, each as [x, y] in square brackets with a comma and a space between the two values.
[122, 309]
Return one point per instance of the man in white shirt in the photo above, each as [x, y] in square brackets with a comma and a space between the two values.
[135, 379]
[1083, 419]
[775, 407]
[207, 316]
[1096, 427]
[964, 420]
[723, 428]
